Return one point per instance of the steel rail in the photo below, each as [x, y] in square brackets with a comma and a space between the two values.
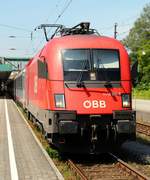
[121, 164]
[143, 128]
[77, 171]
[129, 169]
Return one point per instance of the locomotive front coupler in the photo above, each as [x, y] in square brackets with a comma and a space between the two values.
[94, 136]
[94, 125]
[94, 119]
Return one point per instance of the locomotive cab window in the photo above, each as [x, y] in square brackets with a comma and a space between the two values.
[106, 64]
[74, 62]
[42, 70]
[103, 64]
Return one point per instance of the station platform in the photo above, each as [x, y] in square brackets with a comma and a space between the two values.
[142, 108]
[21, 157]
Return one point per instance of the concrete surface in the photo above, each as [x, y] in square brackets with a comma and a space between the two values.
[31, 163]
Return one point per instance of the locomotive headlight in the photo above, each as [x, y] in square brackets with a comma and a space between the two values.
[59, 101]
[126, 100]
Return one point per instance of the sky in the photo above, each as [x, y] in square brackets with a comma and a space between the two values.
[18, 18]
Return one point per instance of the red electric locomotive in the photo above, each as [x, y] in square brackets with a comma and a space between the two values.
[78, 88]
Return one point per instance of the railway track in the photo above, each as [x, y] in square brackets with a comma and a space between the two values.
[143, 128]
[114, 169]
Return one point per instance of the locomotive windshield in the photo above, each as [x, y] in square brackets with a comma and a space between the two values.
[95, 65]
[75, 59]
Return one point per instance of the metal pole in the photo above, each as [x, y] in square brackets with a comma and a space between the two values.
[115, 30]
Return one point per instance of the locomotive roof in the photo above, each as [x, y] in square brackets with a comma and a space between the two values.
[85, 41]
[79, 34]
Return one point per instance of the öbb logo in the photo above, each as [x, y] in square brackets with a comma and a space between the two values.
[94, 104]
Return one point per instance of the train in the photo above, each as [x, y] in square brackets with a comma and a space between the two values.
[78, 89]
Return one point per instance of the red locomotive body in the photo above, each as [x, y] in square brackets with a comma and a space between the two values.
[79, 90]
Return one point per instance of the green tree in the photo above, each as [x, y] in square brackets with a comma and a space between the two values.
[138, 42]
[143, 55]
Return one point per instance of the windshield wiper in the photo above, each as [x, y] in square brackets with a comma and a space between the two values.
[80, 83]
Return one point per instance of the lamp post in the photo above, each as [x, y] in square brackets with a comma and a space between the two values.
[12, 36]
[12, 49]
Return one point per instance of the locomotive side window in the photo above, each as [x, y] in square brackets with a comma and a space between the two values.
[42, 70]
[20, 85]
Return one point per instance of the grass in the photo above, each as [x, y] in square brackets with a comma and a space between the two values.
[141, 94]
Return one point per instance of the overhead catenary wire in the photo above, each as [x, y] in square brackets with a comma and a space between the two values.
[30, 45]
[67, 4]
[55, 8]
[63, 11]
[15, 27]
[123, 23]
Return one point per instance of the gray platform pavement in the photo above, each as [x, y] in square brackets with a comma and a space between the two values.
[4, 157]
[141, 105]
[31, 163]
[142, 108]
